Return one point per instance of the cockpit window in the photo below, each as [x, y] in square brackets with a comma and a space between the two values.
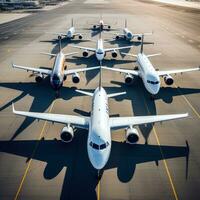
[96, 146]
[99, 52]
[153, 82]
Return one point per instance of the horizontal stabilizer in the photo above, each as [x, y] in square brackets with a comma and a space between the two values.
[85, 93]
[116, 94]
[152, 55]
[129, 54]
[48, 54]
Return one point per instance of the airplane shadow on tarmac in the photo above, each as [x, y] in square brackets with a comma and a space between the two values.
[80, 180]
[39, 92]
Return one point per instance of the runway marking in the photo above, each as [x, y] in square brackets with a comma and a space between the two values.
[192, 107]
[164, 161]
[30, 161]
[98, 190]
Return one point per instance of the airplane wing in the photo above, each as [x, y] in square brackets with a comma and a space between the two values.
[124, 122]
[62, 34]
[176, 71]
[37, 70]
[77, 121]
[117, 48]
[72, 71]
[84, 48]
[126, 71]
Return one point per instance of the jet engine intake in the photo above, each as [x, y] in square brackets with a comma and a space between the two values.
[85, 53]
[168, 79]
[39, 78]
[67, 134]
[114, 54]
[128, 79]
[80, 37]
[75, 78]
[132, 135]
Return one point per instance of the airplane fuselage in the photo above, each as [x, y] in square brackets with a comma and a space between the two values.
[70, 32]
[100, 53]
[57, 75]
[99, 137]
[148, 74]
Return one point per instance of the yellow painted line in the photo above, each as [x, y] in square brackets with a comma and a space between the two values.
[165, 163]
[98, 190]
[30, 161]
[191, 106]
[166, 166]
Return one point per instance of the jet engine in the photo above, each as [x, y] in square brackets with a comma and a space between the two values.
[59, 37]
[75, 78]
[39, 78]
[94, 27]
[80, 37]
[139, 38]
[128, 79]
[114, 54]
[132, 135]
[117, 37]
[168, 80]
[67, 134]
[109, 26]
[85, 53]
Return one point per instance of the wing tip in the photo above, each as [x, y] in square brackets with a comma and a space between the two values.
[13, 108]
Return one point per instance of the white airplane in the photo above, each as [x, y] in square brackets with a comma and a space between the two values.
[100, 51]
[128, 35]
[59, 72]
[147, 72]
[71, 33]
[101, 25]
[99, 125]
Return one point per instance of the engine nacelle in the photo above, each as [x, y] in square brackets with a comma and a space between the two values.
[114, 54]
[117, 37]
[139, 38]
[85, 53]
[75, 78]
[109, 26]
[94, 27]
[128, 79]
[67, 134]
[64, 77]
[39, 78]
[59, 37]
[132, 135]
[168, 80]
[80, 37]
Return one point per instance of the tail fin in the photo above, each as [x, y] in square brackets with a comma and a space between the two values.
[125, 23]
[72, 22]
[142, 44]
[60, 45]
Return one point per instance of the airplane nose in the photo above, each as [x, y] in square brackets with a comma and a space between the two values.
[97, 159]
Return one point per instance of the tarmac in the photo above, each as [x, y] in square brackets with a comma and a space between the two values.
[165, 164]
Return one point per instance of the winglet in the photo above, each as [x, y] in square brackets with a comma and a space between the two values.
[72, 22]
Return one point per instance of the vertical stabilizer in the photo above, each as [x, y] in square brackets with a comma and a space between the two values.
[72, 23]
[142, 43]
[125, 23]
[60, 46]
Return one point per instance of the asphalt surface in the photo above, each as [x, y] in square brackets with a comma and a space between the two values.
[35, 164]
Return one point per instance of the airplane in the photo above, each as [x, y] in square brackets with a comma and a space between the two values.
[101, 25]
[99, 51]
[70, 34]
[128, 35]
[59, 72]
[146, 71]
[99, 125]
